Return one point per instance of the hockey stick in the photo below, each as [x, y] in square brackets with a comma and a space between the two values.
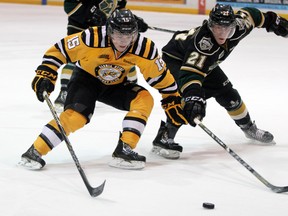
[274, 188]
[94, 192]
[161, 29]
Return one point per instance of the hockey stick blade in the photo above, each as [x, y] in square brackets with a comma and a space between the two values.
[279, 189]
[274, 188]
[94, 192]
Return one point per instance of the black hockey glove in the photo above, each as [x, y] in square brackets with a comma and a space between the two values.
[173, 110]
[276, 24]
[98, 18]
[194, 104]
[142, 25]
[43, 81]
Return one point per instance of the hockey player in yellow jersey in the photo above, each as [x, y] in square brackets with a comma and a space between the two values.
[83, 14]
[103, 57]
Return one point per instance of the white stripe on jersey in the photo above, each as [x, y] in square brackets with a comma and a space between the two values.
[61, 49]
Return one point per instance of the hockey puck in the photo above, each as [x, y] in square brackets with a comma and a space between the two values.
[208, 205]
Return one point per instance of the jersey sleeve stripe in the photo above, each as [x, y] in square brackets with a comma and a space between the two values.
[147, 51]
[145, 48]
[102, 36]
[139, 45]
[52, 61]
[154, 52]
[170, 89]
[60, 46]
[185, 68]
[190, 83]
[153, 81]
[86, 37]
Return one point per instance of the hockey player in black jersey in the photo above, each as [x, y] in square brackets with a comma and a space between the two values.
[104, 55]
[193, 57]
[83, 14]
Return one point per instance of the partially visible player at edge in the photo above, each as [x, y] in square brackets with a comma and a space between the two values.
[104, 56]
[193, 57]
[83, 14]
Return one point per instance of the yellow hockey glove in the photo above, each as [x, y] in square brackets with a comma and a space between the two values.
[173, 110]
[43, 81]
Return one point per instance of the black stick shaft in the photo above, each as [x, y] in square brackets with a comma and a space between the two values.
[161, 29]
[93, 191]
[240, 160]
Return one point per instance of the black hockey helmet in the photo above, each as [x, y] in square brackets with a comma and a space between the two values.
[122, 21]
[222, 15]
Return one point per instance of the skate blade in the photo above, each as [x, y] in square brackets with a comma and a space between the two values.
[129, 165]
[166, 153]
[30, 165]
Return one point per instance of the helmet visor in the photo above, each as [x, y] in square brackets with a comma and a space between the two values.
[222, 32]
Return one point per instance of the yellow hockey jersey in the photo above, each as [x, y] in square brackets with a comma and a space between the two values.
[92, 51]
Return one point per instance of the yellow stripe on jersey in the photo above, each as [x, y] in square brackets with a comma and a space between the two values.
[75, 9]
[145, 48]
[190, 83]
[147, 51]
[247, 16]
[185, 68]
[95, 36]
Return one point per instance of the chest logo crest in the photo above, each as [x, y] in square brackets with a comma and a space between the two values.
[205, 44]
[108, 73]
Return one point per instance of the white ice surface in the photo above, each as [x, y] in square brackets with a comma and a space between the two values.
[204, 173]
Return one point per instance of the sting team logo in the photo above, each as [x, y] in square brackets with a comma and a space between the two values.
[109, 74]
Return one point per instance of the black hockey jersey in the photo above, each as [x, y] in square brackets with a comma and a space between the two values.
[199, 51]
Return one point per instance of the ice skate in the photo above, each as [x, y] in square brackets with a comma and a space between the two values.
[254, 133]
[125, 158]
[164, 146]
[60, 101]
[31, 159]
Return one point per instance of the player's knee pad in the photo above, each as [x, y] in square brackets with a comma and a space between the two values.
[142, 104]
[135, 120]
[72, 120]
[229, 99]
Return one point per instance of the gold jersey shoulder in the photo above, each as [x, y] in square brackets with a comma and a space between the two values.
[92, 51]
